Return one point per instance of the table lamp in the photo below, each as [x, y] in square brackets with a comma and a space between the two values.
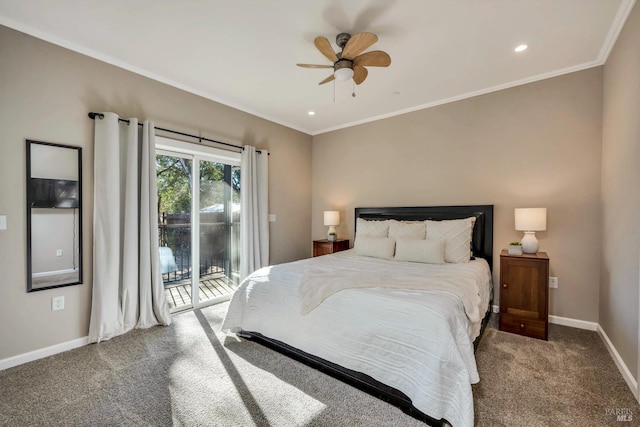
[530, 220]
[331, 218]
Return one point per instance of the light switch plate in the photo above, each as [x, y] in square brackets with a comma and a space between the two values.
[3, 222]
[272, 217]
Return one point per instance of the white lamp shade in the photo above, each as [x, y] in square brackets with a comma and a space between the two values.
[343, 74]
[531, 219]
[331, 218]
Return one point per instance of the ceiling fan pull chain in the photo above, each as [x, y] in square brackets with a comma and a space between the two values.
[353, 94]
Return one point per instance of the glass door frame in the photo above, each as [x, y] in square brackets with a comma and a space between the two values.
[196, 153]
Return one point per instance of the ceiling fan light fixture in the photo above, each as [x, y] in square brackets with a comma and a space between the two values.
[351, 62]
[343, 74]
[343, 69]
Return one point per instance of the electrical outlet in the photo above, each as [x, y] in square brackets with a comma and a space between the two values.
[3, 222]
[57, 303]
[553, 282]
[59, 252]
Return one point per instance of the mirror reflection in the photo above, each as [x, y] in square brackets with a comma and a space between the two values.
[54, 215]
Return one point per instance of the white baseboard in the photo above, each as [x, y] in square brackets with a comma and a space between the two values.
[564, 321]
[622, 367]
[574, 323]
[10, 362]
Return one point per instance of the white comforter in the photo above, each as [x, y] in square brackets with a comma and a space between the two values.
[417, 341]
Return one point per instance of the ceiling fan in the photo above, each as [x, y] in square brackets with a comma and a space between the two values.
[350, 63]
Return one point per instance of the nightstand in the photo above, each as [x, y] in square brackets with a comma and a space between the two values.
[524, 294]
[325, 247]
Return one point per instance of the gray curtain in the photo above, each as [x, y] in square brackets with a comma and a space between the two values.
[254, 210]
[127, 283]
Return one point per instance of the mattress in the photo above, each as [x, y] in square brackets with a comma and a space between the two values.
[419, 341]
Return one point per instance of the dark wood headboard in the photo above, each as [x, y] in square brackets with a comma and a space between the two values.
[482, 241]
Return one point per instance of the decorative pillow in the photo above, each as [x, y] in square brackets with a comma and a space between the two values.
[457, 235]
[426, 251]
[407, 229]
[377, 247]
[372, 228]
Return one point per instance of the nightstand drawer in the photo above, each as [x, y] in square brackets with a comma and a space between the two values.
[326, 247]
[528, 327]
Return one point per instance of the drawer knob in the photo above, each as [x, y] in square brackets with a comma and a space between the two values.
[504, 285]
[521, 325]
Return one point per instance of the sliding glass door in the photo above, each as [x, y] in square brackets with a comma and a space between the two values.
[199, 213]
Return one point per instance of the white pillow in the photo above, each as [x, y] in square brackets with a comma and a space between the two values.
[377, 247]
[426, 251]
[372, 228]
[407, 229]
[457, 236]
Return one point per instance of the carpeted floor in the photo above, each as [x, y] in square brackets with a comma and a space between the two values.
[190, 374]
[570, 380]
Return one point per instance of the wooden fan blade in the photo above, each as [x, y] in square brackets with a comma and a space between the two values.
[359, 74]
[314, 66]
[325, 48]
[357, 44]
[375, 58]
[327, 80]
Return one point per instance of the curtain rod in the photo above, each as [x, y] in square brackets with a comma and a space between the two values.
[93, 116]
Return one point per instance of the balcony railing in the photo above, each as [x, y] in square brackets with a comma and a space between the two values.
[218, 246]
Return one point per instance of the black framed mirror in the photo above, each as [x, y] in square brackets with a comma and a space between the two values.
[54, 215]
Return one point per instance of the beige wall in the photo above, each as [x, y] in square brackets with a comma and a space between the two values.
[620, 269]
[537, 145]
[45, 94]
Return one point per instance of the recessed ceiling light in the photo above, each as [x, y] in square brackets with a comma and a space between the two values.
[311, 113]
[521, 48]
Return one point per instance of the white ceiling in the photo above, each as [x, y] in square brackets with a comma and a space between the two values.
[242, 53]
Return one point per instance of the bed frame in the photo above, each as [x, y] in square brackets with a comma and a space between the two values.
[482, 246]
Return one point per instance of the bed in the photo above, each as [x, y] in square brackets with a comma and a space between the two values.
[399, 328]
